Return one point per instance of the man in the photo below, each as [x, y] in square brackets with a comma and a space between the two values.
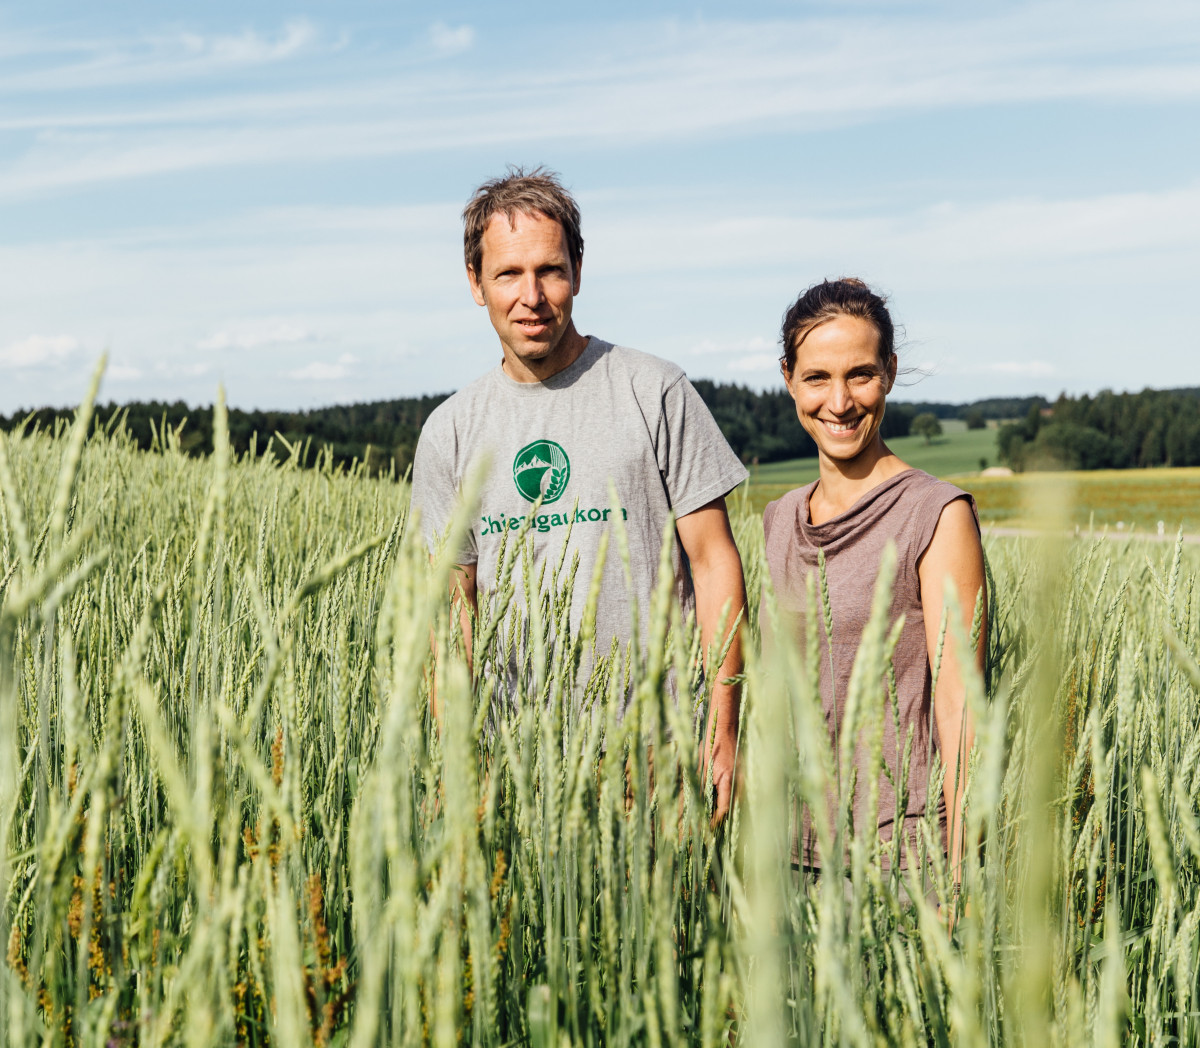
[562, 416]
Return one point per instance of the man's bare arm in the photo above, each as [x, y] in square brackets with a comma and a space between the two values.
[720, 588]
[464, 601]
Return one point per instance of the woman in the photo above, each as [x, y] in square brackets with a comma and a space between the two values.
[839, 362]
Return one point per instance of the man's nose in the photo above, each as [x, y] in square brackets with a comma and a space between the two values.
[531, 290]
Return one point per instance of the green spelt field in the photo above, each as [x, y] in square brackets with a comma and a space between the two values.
[228, 818]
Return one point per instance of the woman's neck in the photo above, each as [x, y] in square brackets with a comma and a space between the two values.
[843, 483]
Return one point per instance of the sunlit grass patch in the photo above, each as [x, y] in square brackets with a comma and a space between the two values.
[1130, 498]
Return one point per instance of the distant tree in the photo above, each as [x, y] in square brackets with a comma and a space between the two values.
[1033, 421]
[1010, 445]
[1068, 445]
[975, 419]
[926, 425]
[1005, 408]
[897, 421]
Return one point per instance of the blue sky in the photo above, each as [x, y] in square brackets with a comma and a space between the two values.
[269, 197]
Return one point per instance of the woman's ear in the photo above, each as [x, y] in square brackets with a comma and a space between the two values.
[891, 372]
[787, 378]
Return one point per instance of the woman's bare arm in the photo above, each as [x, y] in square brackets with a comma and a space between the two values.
[954, 555]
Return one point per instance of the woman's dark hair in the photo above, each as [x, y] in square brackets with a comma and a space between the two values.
[846, 297]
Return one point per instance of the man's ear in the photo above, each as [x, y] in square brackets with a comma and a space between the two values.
[476, 286]
[576, 274]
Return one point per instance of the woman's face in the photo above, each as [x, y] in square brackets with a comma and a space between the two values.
[840, 387]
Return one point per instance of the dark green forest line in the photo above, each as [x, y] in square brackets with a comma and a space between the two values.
[382, 434]
[1108, 430]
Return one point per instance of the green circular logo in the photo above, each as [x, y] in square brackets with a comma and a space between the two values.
[542, 469]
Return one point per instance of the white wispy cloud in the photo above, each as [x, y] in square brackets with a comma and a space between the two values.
[756, 353]
[1007, 281]
[713, 347]
[756, 362]
[451, 40]
[949, 237]
[325, 371]
[38, 351]
[1030, 368]
[247, 47]
[632, 82]
[69, 64]
[255, 336]
[193, 370]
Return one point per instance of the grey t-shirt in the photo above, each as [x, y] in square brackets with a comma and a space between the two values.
[613, 414]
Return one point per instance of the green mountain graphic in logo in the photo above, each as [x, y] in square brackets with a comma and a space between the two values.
[542, 468]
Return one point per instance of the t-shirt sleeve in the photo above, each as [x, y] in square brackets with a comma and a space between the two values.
[696, 462]
[435, 491]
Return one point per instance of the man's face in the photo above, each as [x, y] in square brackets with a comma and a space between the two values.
[527, 283]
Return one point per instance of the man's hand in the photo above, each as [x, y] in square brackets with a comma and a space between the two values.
[464, 599]
[720, 750]
[720, 592]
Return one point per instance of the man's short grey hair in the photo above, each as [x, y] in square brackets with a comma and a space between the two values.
[536, 192]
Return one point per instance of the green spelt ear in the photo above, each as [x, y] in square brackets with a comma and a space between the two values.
[14, 515]
[73, 452]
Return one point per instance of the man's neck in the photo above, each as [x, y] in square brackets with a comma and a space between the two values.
[569, 349]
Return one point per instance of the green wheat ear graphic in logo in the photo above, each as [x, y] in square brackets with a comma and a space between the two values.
[542, 468]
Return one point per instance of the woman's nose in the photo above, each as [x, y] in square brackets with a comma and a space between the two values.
[839, 398]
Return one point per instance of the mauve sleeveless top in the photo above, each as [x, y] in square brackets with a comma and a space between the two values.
[905, 509]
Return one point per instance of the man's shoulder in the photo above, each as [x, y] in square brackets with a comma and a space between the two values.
[642, 369]
[459, 405]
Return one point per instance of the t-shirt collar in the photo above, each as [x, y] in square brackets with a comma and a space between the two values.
[556, 381]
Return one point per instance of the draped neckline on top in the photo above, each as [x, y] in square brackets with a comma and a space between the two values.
[843, 523]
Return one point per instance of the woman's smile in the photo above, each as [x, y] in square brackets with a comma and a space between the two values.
[848, 426]
[840, 387]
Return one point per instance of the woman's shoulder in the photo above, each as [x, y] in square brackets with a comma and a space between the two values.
[927, 497]
[940, 493]
[918, 486]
